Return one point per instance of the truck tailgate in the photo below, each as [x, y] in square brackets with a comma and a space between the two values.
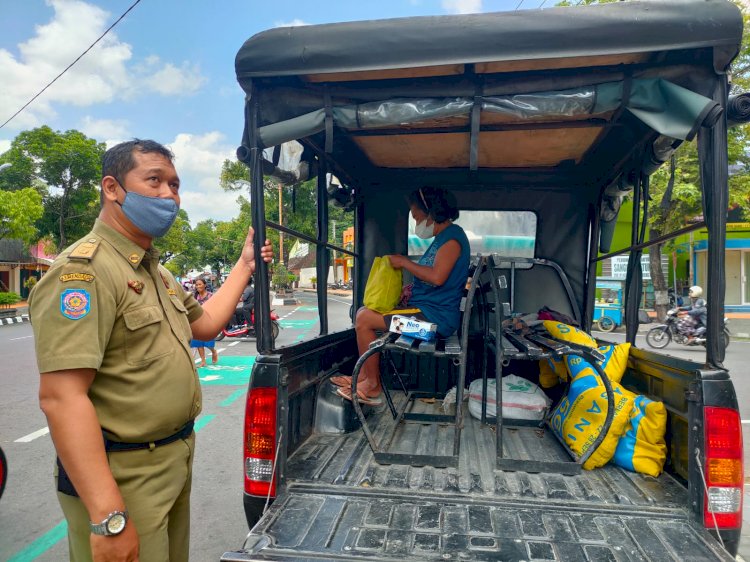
[314, 522]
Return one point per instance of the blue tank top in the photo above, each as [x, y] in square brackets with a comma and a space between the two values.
[441, 305]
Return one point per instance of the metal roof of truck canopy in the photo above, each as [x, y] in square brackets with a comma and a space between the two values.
[619, 32]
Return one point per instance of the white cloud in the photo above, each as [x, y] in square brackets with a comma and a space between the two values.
[171, 80]
[462, 6]
[296, 22]
[4, 145]
[198, 159]
[104, 128]
[104, 74]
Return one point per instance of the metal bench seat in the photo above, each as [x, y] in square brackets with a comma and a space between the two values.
[455, 347]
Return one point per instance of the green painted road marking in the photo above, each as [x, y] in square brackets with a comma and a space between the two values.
[239, 393]
[42, 544]
[299, 324]
[230, 370]
[201, 422]
[308, 308]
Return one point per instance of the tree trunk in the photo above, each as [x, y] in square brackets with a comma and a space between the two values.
[63, 205]
[661, 296]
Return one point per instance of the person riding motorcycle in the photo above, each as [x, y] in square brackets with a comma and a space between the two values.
[697, 311]
[248, 301]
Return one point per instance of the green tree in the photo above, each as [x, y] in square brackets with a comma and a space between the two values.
[298, 207]
[177, 239]
[69, 163]
[19, 210]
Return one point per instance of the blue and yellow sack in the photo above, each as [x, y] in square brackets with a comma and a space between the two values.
[383, 288]
[614, 364]
[554, 370]
[642, 448]
[580, 415]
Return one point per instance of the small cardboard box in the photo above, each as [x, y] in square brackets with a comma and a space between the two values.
[413, 328]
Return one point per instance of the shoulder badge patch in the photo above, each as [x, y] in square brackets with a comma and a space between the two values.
[87, 277]
[75, 303]
[85, 250]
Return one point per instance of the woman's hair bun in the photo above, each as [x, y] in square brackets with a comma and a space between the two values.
[436, 202]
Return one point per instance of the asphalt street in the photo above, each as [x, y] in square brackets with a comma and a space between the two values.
[31, 523]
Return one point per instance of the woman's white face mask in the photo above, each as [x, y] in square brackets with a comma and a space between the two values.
[424, 230]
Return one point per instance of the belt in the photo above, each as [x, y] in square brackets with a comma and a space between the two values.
[183, 433]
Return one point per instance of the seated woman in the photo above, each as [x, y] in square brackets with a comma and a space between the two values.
[439, 281]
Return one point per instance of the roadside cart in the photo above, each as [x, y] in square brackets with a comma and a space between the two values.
[609, 311]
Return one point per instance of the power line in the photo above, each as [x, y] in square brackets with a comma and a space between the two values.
[125, 13]
[519, 4]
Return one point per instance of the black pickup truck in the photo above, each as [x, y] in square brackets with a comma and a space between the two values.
[543, 118]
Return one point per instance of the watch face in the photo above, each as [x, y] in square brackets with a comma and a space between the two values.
[116, 523]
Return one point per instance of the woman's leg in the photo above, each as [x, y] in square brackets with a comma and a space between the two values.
[214, 354]
[202, 353]
[367, 323]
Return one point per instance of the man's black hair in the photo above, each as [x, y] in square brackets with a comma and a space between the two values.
[118, 160]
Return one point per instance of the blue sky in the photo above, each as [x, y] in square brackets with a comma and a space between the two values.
[164, 72]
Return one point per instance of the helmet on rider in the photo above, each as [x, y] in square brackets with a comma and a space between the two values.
[695, 291]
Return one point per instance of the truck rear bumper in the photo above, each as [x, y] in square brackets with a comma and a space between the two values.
[326, 522]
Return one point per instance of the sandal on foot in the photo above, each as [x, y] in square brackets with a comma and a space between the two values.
[342, 381]
[374, 401]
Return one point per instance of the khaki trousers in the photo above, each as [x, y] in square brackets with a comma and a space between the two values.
[155, 485]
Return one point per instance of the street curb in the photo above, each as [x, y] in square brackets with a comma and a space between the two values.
[14, 320]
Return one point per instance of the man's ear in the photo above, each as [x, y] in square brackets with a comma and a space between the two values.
[109, 188]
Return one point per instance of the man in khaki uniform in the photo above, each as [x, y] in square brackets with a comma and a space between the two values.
[118, 383]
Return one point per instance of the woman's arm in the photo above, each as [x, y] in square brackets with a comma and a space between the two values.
[439, 271]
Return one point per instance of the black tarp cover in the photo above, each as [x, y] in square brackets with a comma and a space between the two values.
[607, 29]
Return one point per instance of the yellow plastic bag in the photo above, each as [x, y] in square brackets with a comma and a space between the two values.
[383, 288]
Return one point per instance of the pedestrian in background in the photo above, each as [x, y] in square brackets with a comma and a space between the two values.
[202, 294]
[118, 381]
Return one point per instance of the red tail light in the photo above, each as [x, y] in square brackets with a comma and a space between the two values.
[724, 471]
[260, 441]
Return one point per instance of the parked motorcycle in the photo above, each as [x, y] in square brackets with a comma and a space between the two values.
[660, 336]
[237, 327]
[3, 472]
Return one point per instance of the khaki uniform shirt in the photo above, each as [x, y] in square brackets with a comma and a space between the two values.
[107, 304]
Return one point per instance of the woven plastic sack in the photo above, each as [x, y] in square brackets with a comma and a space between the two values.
[642, 448]
[580, 415]
[614, 364]
[522, 399]
[552, 371]
[383, 288]
[569, 333]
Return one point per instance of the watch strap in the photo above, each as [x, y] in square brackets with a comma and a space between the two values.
[102, 528]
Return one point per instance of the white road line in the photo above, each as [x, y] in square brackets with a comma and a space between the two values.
[21, 338]
[745, 421]
[233, 343]
[31, 436]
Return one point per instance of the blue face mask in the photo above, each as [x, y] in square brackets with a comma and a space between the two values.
[152, 215]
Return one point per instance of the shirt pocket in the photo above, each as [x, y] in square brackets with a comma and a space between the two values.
[182, 314]
[144, 336]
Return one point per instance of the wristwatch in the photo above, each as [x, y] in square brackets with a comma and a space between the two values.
[113, 524]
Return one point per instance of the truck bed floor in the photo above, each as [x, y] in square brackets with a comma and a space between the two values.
[341, 505]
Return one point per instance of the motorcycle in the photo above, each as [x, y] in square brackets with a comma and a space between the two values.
[237, 327]
[675, 329]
